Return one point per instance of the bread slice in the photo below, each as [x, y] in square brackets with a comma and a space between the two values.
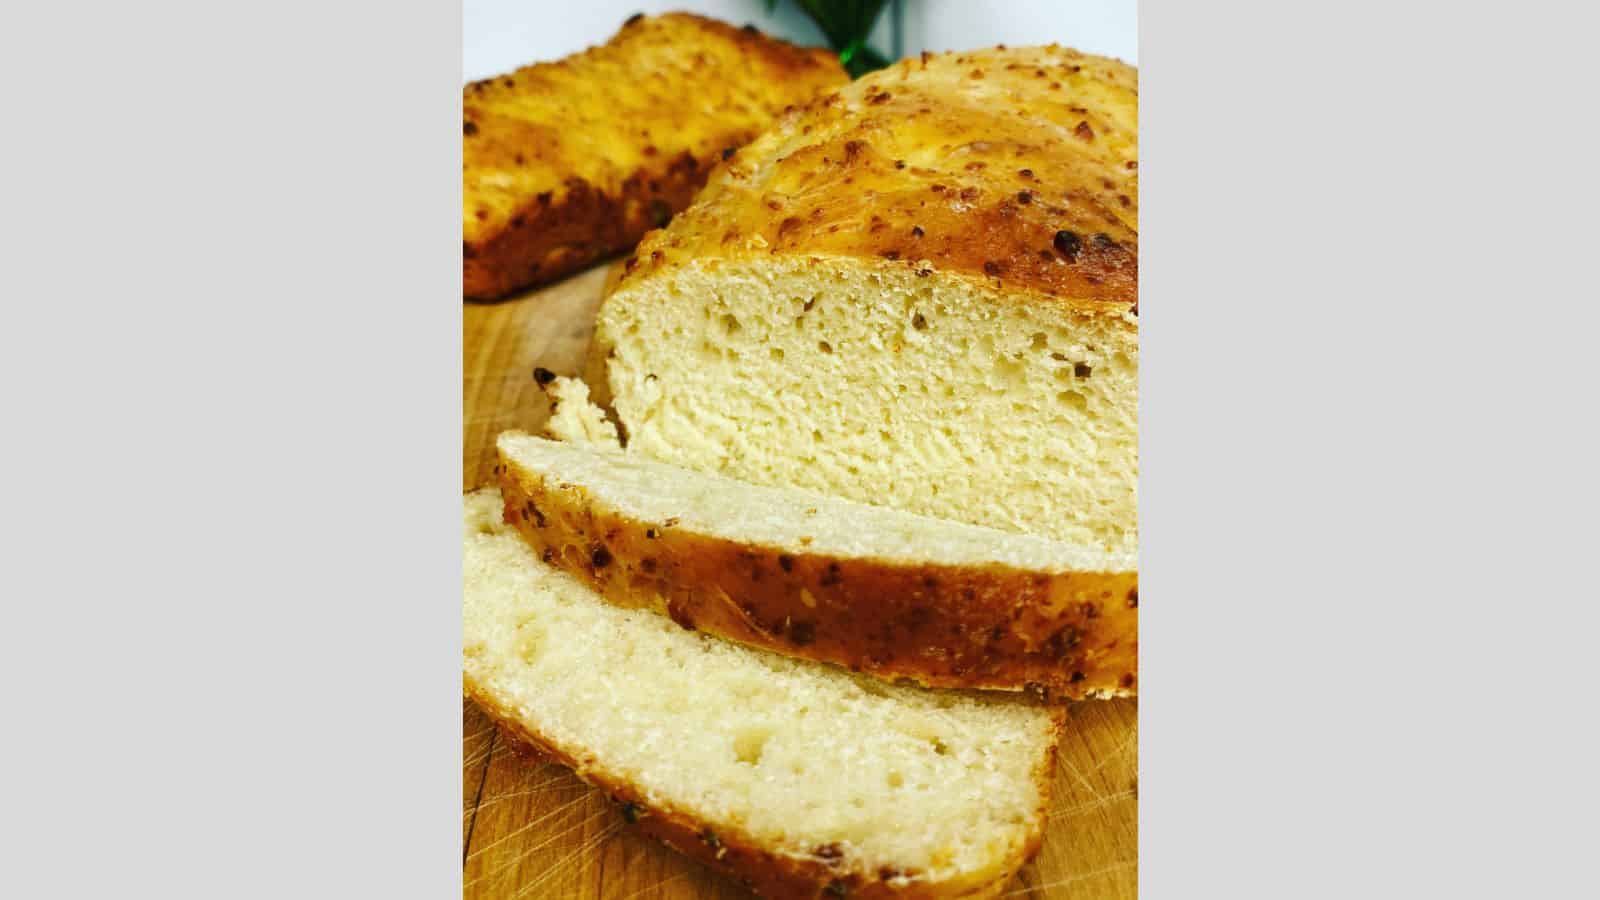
[890, 593]
[793, 776]
[566, 162]
[919, 292]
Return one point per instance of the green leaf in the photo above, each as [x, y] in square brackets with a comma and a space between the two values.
[846, 24]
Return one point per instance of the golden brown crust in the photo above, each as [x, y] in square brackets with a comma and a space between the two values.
[1015, 167]
[1060, 636]
[566, 162]
[729, 850]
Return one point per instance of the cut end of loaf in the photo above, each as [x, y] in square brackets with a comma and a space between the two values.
[932, 394]
[919, 291]
[874, 786]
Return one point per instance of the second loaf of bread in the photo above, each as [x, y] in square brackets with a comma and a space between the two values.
[569, 161]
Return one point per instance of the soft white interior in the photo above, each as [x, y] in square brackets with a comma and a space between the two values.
[799, 755]
[920, 393]
[576, 418]
[787, 519]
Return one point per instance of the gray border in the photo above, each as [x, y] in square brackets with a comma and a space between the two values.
[232, 367]
[1367, 450]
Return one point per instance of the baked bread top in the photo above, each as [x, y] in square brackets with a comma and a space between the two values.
[657, 104]
[1017, 166]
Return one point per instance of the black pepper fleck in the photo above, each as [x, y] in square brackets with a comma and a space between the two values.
[1063, 640]
[1068, 244]
[543, 376]
[660, 213]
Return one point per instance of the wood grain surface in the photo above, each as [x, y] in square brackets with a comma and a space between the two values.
[533, 830]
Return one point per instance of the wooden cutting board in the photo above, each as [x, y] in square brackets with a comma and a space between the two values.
[533, 830]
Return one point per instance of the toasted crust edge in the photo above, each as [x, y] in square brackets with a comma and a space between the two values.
[736, 854]
[991, 244]
[1059, 636]
[550, 237]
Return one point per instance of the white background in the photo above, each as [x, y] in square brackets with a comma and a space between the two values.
[500, 35]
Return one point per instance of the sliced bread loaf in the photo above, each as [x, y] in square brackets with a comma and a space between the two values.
[919, 292]
[800, 779]
[882, 591]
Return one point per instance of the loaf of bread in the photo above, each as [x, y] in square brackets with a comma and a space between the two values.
[881, 591]
[920, 291]
[566, 162]
[800, 779]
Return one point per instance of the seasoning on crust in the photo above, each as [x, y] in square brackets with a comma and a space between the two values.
[567, 162]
